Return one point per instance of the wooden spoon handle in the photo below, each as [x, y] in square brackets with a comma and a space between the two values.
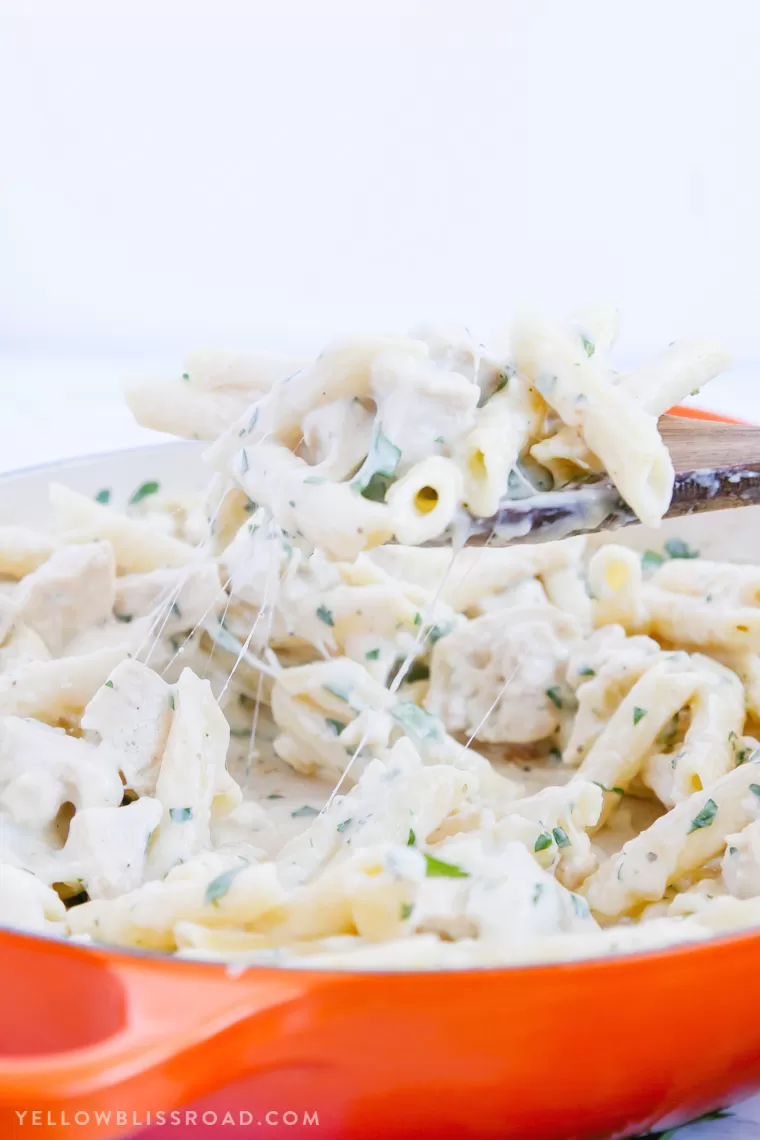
[599, 507]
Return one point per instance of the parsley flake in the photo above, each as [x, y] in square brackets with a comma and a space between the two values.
[561, 837]
[638, 714]
[677, 548]
[544, 840]
[438, 869]
[220, 885]
[705, 817]
[325, 615]
[180, 815]
[143, 491]
[375, 475]
[650, 560]
[305, 812]
[103, 496]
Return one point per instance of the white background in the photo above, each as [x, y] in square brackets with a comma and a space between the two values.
[179, 173]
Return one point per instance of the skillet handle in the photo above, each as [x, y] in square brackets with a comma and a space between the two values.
[86, 1029]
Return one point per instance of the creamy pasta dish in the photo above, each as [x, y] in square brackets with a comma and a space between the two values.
[270, 724]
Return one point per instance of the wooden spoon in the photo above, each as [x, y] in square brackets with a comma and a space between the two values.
[705, 481]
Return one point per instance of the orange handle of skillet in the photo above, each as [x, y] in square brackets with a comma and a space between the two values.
[84, 1029]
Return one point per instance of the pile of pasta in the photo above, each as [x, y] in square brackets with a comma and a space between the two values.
[250, 726]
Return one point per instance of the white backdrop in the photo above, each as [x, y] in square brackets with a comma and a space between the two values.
[241, 172]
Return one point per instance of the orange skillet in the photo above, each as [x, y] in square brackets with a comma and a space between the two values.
[110, 1043]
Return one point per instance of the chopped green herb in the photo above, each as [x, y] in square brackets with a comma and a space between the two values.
[108, 685]
[143, 491]
[123, 617]
[651, 857]
[638, 714]
[677, 548]
[305, 812]
[406, 911]
[221, 884]
[561, 837]
[617, 791]
[275, 796]
[180, 815]
[253, 420]
[244, 464]
[335, 726]
[705, 817]
[586, 671]
[103, 496]
[439, 439]
[176, 610]
[755, 789]
[555, 696]
[185, 375]
[240, 733]
[733, 850]
[650, 560]
[417, 722]
[555, 753]
[506, 374]
[544, 840]
[372, 654]
[588, 345]
[418, 672]
[538, 890]
[325, 615]
[376, 473]
[342, 826]
[250, 506]
[418, 619]
[171, 700]
[315, 479]
[412, 838]
[437, 869]
[291, 502]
